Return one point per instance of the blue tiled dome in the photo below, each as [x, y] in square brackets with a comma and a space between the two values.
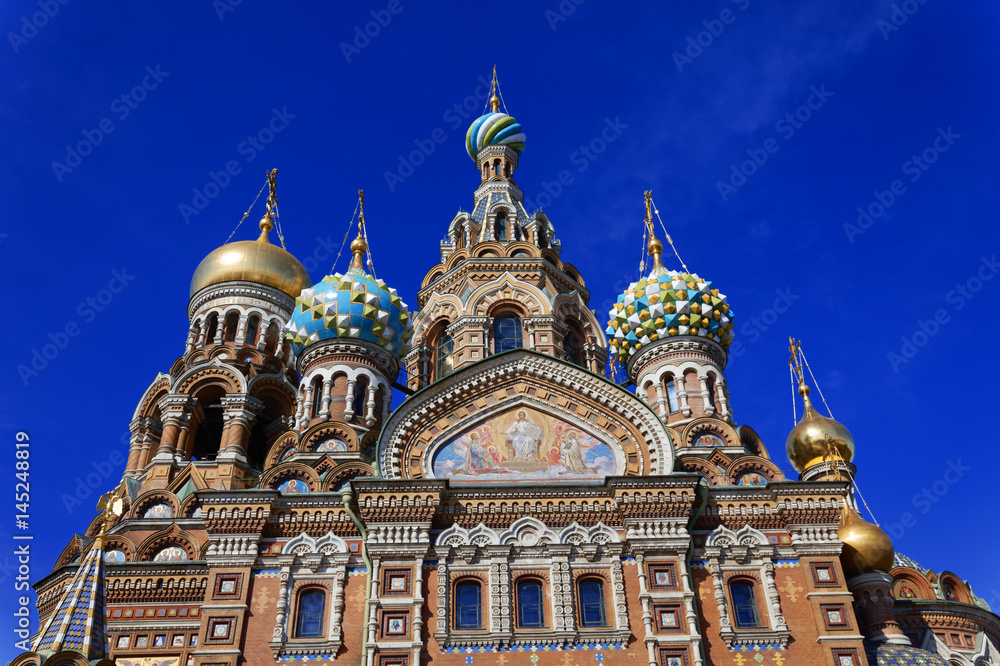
[354, 305]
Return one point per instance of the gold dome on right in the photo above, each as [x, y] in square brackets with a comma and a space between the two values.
[866, 546]
[816, 438]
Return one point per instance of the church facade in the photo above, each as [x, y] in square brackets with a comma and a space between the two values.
[517, 508]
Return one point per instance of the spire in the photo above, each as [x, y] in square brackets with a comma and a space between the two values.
[796, 365]
[655, 247]
[77, 624]
[358, 245]
[494, 91]
[267, 221]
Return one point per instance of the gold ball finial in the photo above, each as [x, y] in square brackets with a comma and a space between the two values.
[495, 103]
[266, 224]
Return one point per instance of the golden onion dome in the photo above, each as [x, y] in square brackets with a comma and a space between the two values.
[866, 546]
[253, 261]
[815, 438]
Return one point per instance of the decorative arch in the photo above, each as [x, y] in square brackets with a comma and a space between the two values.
[909, 583]
[171, 536]
[508, 289]
[304, 544]
[280, 447]
[148, 403]
[722, 537]
[148, 499]
[574, 274]
[712, 474]
[707, 425]
[516, 247]
[489, 250]
[338, 476]
[454, 259]
[750, 465]
[752, 441]
[439, 307]
[420, 427]
[958, 588]
[276, 477]
[213, 373]
[312, 437]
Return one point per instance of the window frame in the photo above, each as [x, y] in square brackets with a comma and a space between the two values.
[457, 619]
[519, 327]
[600, 604]
[439, 363]
[299, 615]
[755, 605]
[673, 402]
[540, 603]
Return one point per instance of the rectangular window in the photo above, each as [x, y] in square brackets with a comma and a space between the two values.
[467, 606]
[592, 612]
[529, 604]
[672, 397]
[744, 605]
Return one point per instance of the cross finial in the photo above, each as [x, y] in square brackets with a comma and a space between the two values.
[267, 222]
[494, 90]
[655, 247]
[793, 347]
[359, 246]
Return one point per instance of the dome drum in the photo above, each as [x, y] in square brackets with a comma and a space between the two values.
[348, 350]
[676, 350]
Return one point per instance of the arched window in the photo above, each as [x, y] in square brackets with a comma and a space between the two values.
[460, 237]
[571, 348]
[496, 167]
[507, 334]
[672, 397]
[711, 391]
[317, 396]
[361, 396]
[212, 328]
[443, 363]
[232, 323]
[271, 341]
[517, 231]
[196, 333]
[312, 604]
[501, 227]
[530, 611]
[468, 606]
[506, 169]
[744, 604]
[543, 240]
[253, 327]
[591, 593]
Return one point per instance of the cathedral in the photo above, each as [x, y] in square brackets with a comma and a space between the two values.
[521, 505]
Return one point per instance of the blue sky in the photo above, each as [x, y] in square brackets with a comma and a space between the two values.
[828, 109]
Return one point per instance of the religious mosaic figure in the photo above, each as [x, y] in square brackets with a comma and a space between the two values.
[571, 456]
[524, 436]
[479, 458]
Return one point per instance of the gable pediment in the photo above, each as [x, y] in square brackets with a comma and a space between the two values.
[522, 416]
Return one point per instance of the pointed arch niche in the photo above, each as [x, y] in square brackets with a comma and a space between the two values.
[577, 427]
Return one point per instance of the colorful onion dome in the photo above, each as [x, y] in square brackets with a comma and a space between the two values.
[494, 129]
[252, 261]
[354, 305]
[816, 437]
[668, 304]
[866, 546]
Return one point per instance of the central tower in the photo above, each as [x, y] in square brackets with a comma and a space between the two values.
[500, 284]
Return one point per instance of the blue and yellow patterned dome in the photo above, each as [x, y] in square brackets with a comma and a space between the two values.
[354, 305]
[668, 304]
[494, 129]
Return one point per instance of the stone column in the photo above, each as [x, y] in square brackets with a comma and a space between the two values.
[241, 330]
[682, 394]
[706, 403]
[175, 415]
[370, 407]
[349, 407]
[324, 411]
[240, 413]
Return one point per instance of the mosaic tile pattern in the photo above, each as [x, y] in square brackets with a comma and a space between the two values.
[901, 655]
[354, 305]
[901, 560]
[494, 129]
[78, 622]
[665, 305]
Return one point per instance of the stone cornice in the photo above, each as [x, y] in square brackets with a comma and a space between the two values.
[235, 290]
[680, 348]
